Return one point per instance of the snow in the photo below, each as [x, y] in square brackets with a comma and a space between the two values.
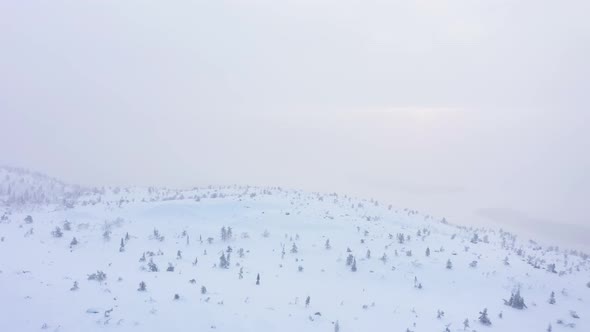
[38, 270]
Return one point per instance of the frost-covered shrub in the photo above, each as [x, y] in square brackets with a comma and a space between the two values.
[152, 267]
[98, 276]
[170, 267]
[57, 232]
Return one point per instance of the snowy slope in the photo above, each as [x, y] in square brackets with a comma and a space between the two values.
[20, 187]
[405, 290]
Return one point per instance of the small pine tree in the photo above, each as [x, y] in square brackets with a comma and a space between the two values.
[516, 301]
[223, 262]
[57, 232]
[465, 324]
[552, 298]
[170, 267]
[203, 290]
[483, 317]
[122, 247]
[106, 235]
[142, 287]
[336, 327]
[449, 264]
[223, 234]
[179, 254]
[241, 273]
[152, 267]
[427, 252]
[328, 246]
[74, 242]
[258, 279]
[353, 267]
[307, 301]
[349, 259]
[294, 249]
[368, 254]
[75, 287]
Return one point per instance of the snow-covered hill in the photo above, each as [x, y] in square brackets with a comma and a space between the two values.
[20, 187]
[269, 259]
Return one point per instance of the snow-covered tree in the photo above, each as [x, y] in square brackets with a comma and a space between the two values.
[483, 317]
[57, 232]
[223, 262]
[223, 234]
[516, 301]
[349, 259]
[152, 267]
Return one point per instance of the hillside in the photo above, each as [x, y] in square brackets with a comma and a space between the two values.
[325, 262]
[20, 187]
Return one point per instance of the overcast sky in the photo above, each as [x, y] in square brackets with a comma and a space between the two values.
[474, 110]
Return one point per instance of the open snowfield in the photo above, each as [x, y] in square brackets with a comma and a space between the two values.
[280, 235]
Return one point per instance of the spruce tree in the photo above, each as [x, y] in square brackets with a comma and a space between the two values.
[483, 317]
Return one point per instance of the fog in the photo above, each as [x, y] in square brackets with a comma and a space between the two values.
[473, 110]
